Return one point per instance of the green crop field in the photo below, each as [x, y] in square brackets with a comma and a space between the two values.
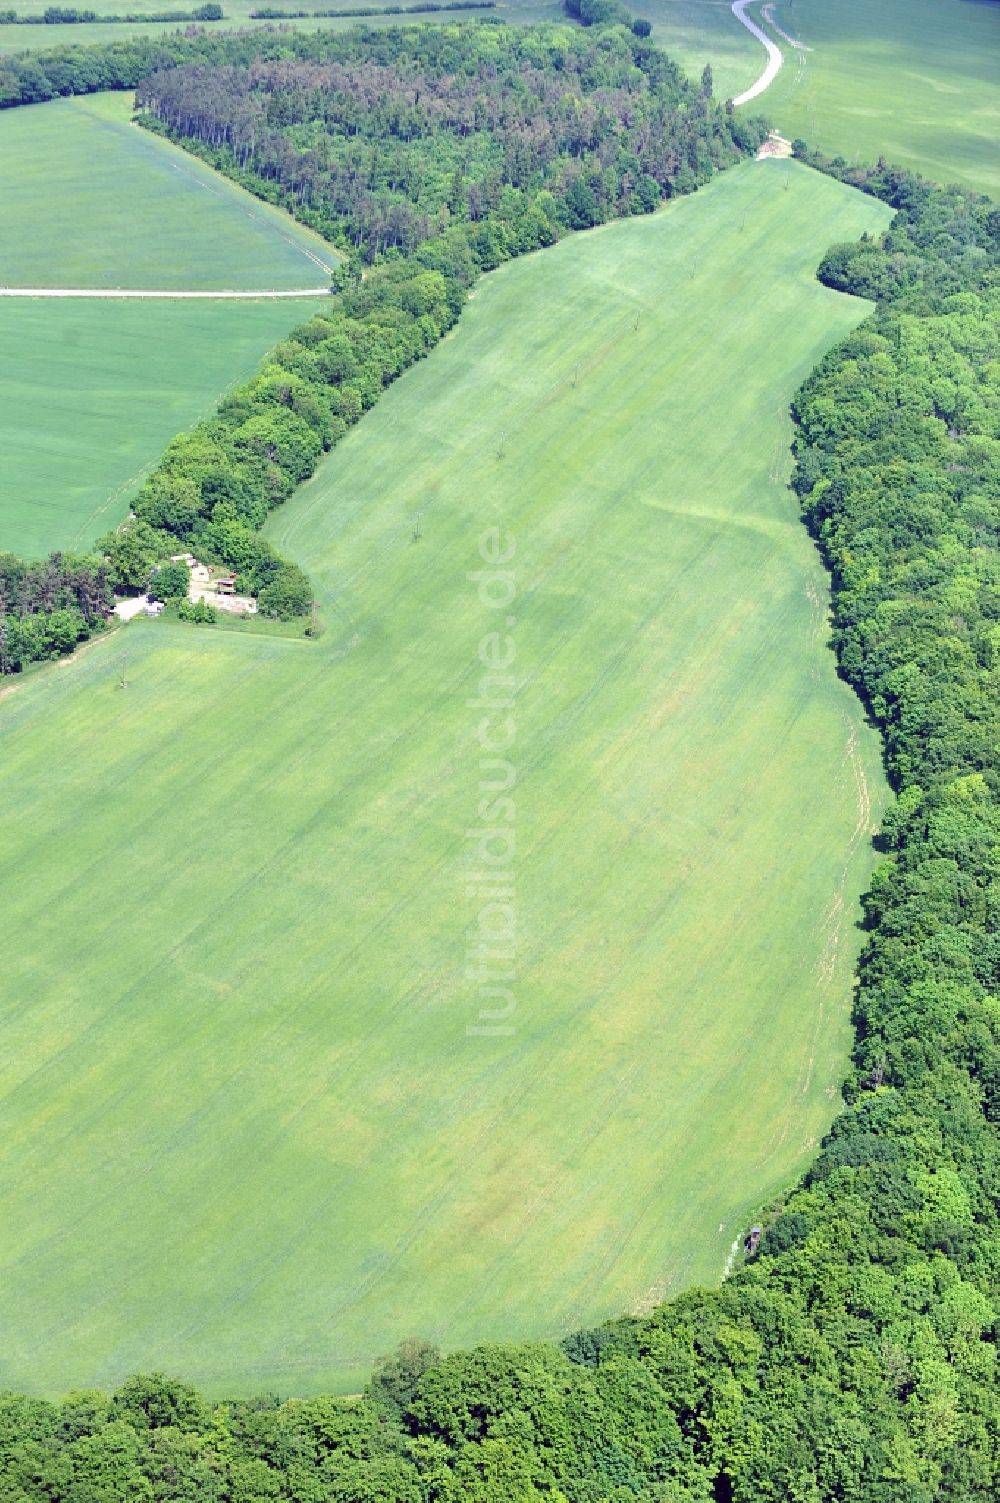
[254, 1130]
[91, 391]
[90, 200]
[696, 32]
[19, 38]
[913, 80]
[916, 81]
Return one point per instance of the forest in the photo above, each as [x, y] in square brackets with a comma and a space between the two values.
[853, 1355]
[429, 157]
[277, 13]
[47, 608]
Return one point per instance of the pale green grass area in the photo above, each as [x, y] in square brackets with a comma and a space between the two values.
[92, 392]
[917, 81]
[90, 200]
[247, 1136]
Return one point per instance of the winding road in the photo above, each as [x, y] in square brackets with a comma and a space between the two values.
[123, 292]
[774, 54]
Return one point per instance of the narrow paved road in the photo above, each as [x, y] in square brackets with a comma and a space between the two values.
[119, 292]
[774, 57]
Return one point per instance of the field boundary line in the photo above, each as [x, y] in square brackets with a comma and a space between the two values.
[146, 292]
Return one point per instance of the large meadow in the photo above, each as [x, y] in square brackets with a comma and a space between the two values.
[91, 390]
[258, 1125]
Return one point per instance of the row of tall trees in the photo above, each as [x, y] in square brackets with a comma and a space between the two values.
[216, 485]
[385, 146]
[60, 15]
[421, 8]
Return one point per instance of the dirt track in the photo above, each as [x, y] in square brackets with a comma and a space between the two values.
[774, 54]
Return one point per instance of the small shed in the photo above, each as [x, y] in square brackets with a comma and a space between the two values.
[226, 584]
[752, 1239]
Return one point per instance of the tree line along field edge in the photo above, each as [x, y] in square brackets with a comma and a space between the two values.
[863, 81]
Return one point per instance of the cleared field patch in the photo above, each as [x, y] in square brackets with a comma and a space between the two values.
[90, 200]
[915, 81]
[90, 392]
[248, 1135]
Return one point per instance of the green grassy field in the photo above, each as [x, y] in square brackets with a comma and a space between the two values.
[90, 392]
[913, 80]
[696, 32]
[91, 200]
[21, 38]
[248, 1135]
[916, 81]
